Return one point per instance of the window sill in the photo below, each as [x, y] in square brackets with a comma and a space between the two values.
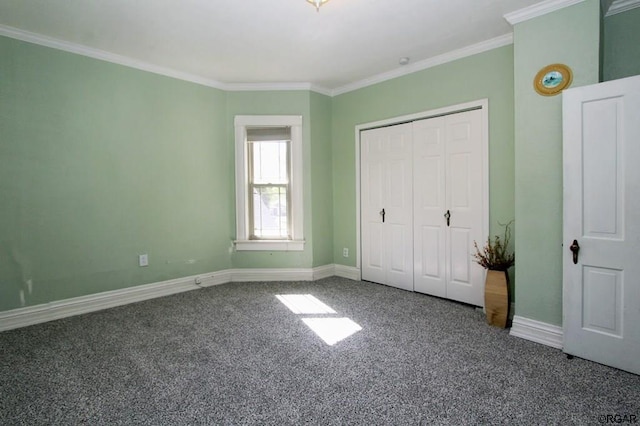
[269, 245]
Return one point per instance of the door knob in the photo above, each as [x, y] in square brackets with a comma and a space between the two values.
[575, 248]
[382, 213]
[447, 216]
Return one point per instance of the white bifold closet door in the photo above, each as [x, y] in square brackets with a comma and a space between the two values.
[386, 206]
[437, 175]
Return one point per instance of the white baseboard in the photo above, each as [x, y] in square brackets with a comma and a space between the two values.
[214, 278]
[537, 331]
[325, 271]
[271, 274]
[347, 272]
[23, 317]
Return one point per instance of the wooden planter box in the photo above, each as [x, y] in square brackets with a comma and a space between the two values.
[496, 298]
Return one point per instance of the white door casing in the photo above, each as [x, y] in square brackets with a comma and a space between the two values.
[441, 168]
[601, 154]
[387, 249]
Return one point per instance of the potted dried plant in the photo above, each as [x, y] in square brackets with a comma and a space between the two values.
[496, 258]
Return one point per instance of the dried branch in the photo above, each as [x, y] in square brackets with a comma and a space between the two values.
[495, 255]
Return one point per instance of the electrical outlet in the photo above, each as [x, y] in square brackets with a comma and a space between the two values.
[143, 260]
[345, 252]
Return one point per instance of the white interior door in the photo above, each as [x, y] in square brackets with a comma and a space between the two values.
[448, 183]
[601, 289]
[386, 206]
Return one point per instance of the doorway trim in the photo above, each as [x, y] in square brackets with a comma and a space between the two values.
[481, 104]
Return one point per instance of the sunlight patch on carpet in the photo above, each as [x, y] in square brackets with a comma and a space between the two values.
[329, 328]
[304, 304]
[332, 330]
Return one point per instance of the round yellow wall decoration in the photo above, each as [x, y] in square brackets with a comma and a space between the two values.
[553, 79]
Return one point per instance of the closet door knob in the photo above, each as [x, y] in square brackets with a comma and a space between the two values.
[447, 216]
[575, 249]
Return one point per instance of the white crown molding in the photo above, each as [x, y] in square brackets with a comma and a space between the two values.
[538, 9]
[264, 87]
[79, 49]
[605, 5]
[619, 6]
[484, 46]
[23, 317]
[102, 55]
[537, 331]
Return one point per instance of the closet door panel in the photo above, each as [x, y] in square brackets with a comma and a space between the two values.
[464, 198]
[386, 206]
[429, 207]
[431, 254]
[372, 199]
[398, 220]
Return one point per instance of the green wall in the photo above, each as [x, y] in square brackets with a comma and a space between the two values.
[622, 45]
[569, 36]
[99, 163]
[321, 180]
[486, 75]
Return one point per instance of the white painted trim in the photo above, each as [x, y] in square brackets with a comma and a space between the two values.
[31, 315]
[271, 274]
[538, 9]
[103, 55]
[347, 272]
[481, 103]
[268, 120]
[605, 5]
[619, 6]
[321, 272]
[214, 278]
[474, 49]
[23, 317]
[269, 245]
[451, 109]
[265, 87]
[537, 331]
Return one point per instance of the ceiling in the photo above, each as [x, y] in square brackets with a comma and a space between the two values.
[265, 41]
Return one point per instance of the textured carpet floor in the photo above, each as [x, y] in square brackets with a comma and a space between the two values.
[234, 354]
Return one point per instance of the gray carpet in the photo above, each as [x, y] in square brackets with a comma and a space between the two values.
[234, 354]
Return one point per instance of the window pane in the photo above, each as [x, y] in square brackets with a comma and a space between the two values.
[270, 212]
[270, 162]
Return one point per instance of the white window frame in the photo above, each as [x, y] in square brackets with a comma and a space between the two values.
[242, 242]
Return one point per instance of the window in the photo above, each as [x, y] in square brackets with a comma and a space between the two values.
[269, 183]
